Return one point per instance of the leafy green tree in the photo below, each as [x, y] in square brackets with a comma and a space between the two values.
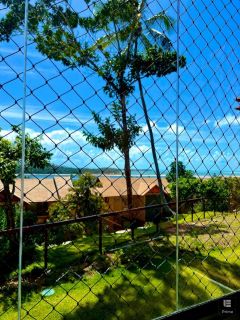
[82, 200]
[215, 192]
[188, 188]
[182, 172]
[153, 56]
[10, 157]
[56, 29]
[147, 50]
[188, 185]
[113, 134]
[234, 190]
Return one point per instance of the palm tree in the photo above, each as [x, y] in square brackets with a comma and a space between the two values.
[145, 38]
[123, 46]
[148, 51]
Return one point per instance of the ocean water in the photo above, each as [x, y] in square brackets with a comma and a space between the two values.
[142, 173]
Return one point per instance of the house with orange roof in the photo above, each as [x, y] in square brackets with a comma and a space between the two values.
[145, 192]
[39, 194]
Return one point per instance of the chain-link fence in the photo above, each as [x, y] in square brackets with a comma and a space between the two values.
[119, 157]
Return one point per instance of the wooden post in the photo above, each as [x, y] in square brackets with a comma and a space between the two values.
[45, 249]
[100, 233]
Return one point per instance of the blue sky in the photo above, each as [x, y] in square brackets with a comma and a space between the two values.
[59, 105]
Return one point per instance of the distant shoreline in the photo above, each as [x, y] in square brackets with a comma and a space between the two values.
[115, 175]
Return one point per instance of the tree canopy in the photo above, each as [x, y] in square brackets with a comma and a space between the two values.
[183, 172]
[36, 156]
[121, 45]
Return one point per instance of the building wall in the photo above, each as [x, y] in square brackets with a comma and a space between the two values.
[122, 220]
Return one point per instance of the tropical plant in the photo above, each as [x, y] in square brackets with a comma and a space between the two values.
[153, 56]
[82, 200]
[183, 172]
[10, 157]
[216, 194]
[188, 188]
[55, 27]
[234, 190]
[123, 47]
[147, 50]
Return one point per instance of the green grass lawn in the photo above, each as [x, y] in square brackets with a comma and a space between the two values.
[133, 279]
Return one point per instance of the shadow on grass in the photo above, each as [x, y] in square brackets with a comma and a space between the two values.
[146, 287]
[132, 301]
[193, 229]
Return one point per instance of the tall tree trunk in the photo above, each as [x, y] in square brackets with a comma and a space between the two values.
[127, 167]
[9, 206]
[163, 200]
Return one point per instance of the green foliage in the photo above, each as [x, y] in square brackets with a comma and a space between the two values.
[234, 192]
[3, 221]
[8, 161]
[188, 188]
[112, 56]
[10, 158]
[82, 200]
[9, 246]
[182, 172]
[59, 211]
[216, 192]
[112, 135]
[11, 151]
[156, 62]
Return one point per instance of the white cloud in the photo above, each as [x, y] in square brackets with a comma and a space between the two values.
[139, 150]
[145, 127]
[173, 129]
[8, 134]
[228, 120]
[41, 115]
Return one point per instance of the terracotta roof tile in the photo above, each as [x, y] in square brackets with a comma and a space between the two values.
[114, 187]
[43, 190]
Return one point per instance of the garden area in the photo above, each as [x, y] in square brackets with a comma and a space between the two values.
[134, 278]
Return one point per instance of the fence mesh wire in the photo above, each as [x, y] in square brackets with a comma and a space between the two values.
[99, 235]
